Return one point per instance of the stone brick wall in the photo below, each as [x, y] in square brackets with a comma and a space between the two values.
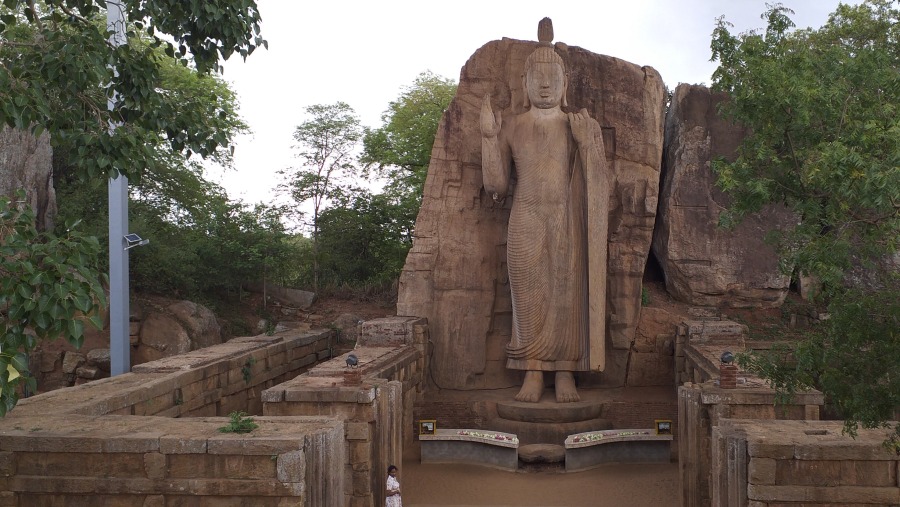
[809, 463]
[703, 407]
[149, 437]
[448, 414]
[374, 400]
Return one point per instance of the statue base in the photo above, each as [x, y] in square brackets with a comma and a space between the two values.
[547, 421]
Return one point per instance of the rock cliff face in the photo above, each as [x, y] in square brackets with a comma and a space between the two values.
[704, 264]
[26, 163]
[455, 274]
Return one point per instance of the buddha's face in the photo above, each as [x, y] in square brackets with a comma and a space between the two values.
[545, 84]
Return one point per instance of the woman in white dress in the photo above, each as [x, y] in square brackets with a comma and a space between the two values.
[393, 488]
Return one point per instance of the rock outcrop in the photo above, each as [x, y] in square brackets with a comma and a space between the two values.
[455, 274]
[703, 263]
[175, 329]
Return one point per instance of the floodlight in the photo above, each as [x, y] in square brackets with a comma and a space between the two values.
[132, 240]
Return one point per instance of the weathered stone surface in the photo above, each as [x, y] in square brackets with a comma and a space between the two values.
[348, 324]
[200, 323]
[71, 361]
[177, 328]
[542, 453]
[88, 372]
[705, 264]
[456, 275]
[294, 298]
[161, 336]
[50, 360]
[26, 164]
[99, 358]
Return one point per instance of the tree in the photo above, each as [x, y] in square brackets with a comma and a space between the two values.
[49, 288]
[822, 110]
[325, 142]
[401, 148]
[57, 69]
[363, 239]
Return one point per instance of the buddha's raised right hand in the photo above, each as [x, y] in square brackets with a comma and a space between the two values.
[490, 121]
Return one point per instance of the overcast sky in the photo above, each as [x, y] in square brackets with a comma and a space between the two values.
[364, 53]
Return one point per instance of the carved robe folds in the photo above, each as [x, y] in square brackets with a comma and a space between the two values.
[557, 240]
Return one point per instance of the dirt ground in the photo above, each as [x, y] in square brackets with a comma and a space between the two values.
[623, 485]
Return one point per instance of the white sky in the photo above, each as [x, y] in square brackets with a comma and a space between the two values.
[364, 52]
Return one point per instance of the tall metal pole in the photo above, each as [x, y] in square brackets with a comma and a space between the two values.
[119, 343]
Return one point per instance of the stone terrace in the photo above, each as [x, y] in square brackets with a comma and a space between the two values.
[151, 437]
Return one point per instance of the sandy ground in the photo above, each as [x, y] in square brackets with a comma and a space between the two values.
[631, 485]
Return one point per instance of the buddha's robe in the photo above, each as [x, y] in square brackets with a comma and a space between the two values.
[549, 239]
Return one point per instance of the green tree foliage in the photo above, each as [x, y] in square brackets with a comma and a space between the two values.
[364, 239]
[48, 287]
[57, 69]
[401, 148]
[825, 140]
[822, 108]
[325, 144]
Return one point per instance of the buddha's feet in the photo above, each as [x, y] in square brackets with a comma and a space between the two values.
[532, 387]
[565, 387]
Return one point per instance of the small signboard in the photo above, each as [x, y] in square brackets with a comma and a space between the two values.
[427, 426]
[663, 426]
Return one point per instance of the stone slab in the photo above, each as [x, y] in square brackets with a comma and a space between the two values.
[618, 451]
[469, 452]
[549, 411]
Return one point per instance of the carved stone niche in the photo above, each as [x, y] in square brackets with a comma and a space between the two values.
[455, 274]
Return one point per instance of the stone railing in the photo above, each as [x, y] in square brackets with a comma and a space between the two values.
[595, 448]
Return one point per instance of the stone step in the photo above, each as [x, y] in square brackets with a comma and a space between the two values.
[542, 453]
[549, 411]
[546, 433]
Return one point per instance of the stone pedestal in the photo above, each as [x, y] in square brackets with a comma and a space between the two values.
[548, 422]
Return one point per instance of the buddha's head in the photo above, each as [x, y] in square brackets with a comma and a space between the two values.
[545, 79]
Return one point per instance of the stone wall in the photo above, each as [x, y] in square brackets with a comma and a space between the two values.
[158, 328]
[809, 463]
[703, 407]
[149, 437]
[375, 400]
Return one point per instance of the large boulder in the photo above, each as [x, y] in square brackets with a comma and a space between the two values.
[455, 274]
[26, 163]
[703, 263]
[173, 329]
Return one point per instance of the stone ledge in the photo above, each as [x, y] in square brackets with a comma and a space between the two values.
[639, 448]
[509, 439]
[830, 495]
[447, 446]
[580, 440]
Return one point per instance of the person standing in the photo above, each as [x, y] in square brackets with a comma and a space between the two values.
[393, 489]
